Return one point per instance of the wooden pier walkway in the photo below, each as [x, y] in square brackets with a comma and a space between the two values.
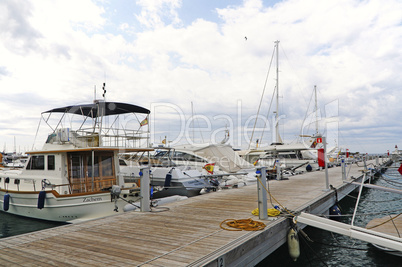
[188, 234]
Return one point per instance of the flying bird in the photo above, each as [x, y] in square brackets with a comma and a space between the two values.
[245, 37]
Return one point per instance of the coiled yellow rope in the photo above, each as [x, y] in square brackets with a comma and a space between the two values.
[271, 212]
[259, 180]
[242, 224]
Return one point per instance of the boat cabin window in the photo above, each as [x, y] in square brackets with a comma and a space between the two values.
[179, 155]
[89, 166]
[36, 163]
[195, 158]
[87, 175]
[187, 157]
[107, 165]
[161, 154]
[50, 162]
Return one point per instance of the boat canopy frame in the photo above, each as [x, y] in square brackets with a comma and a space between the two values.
[100, 108]
[98, 134]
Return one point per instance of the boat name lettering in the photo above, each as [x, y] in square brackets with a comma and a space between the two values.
[92, 199]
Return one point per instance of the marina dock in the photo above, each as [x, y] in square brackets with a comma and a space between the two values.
[184, 233]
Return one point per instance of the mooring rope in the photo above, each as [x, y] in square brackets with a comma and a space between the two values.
[242, 224]
[284, 208]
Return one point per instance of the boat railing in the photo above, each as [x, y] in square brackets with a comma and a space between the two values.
[109, 137]
[62, 189]
[24, 184]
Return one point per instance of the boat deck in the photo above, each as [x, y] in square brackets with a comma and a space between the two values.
[184, 233]
[391, 225]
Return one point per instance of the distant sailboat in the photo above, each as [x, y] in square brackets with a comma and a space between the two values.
[290, 155]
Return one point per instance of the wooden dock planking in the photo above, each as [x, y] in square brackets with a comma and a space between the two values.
[39, 255]
[17, 257]
[187, 234]
[70, 252]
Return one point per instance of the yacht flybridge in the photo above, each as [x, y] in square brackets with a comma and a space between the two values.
[76, 175]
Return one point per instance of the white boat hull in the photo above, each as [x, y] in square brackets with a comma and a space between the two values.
[73, 208]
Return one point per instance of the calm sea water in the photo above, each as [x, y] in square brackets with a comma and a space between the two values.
[328, 249]
[11, 225]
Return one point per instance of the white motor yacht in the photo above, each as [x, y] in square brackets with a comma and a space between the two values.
[76, 176]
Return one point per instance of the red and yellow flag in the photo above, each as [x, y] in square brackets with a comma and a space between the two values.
[144, 122]
[209, 167]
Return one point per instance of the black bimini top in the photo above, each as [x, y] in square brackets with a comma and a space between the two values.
[107, 108]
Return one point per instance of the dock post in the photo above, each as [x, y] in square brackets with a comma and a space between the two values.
[262, 194]
[365, 163]
[144, 190]
[343, 164]
[278, 169]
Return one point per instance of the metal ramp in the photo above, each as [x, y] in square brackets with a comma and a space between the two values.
[356, 232]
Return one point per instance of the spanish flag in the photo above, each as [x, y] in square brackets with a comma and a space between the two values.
[209, 167]
[144, 122]
[314, 144]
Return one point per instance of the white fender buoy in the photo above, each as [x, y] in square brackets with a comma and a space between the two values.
[130, 207]
[293, 244]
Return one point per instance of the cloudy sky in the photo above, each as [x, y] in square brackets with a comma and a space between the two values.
[211, 59]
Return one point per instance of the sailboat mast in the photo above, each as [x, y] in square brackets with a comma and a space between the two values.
[277, 94]
[316, 111]
[192, 116]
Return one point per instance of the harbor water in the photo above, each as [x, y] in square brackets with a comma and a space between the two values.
[327, 249]
[11, 225]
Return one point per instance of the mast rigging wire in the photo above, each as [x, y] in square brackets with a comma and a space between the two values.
[262, 96]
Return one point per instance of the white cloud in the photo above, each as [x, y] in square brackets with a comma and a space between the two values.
[155, 12]
[58, 50]
[16, 33]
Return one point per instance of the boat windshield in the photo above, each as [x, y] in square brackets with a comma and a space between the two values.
[178, 155]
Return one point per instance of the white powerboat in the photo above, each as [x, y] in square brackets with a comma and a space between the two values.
[183, 170]
[76, 175]
[13, 160]
[396, 155]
